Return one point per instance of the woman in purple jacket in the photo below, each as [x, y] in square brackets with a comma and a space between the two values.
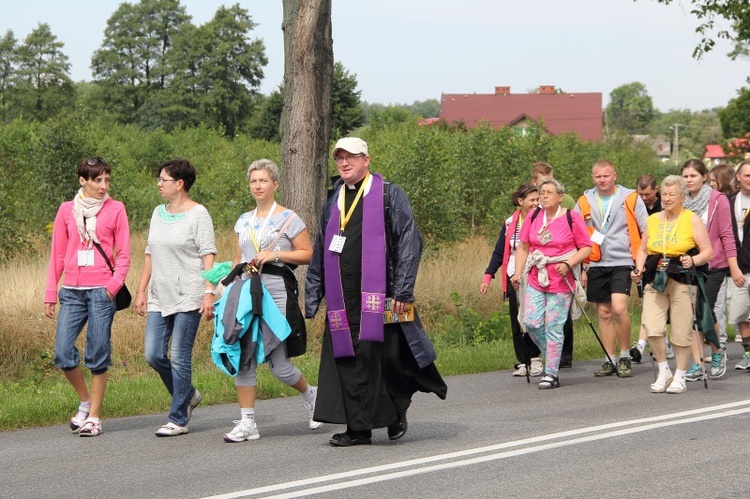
[712, 207]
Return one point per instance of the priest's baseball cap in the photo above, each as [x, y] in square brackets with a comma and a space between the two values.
[352, 145]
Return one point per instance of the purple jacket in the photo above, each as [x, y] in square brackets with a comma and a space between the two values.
[720, 231]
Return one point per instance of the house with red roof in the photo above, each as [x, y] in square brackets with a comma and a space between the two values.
[561, 112]
[714, 154]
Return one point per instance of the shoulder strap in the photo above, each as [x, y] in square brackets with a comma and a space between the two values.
[535, 214]
[283, 228]
[106, 258]
[634, 230]
[584, 205]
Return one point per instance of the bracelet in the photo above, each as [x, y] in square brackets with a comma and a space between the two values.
[693, 259]
[209, 292]
[140, 292]
[276, 255]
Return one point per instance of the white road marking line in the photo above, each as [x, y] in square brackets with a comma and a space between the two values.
[643, 424]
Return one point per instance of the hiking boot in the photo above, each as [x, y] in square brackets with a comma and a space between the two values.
[661, 383]
[520, 371]
[695, 373]
[608, 369]
[244, 429]
[636, 354]
[625, 368]
[744, 364]
[718, 364]
[310, 407]
[537, 368]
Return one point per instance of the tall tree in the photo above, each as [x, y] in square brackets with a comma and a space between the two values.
[346, 108]
[131, 62]
[735, 117]
[8, 58]
[306, 118]
[737, 12]
[630, 108]
[43, 73]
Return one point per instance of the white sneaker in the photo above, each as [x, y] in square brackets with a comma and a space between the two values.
[195, 401]
[171, 430]
[245, 429]
[661, 383]
[310, 406]
[537, 368]
[677, 386]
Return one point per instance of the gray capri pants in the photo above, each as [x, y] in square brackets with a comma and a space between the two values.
[281, 367]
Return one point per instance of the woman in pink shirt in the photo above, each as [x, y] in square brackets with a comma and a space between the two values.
[88, 287]
[553, 242]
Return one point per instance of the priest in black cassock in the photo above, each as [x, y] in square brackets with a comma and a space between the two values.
[367, 249]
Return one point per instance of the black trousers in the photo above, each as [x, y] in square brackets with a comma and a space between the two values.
[519, 338]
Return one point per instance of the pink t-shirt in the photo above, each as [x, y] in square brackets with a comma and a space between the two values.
[563, 241]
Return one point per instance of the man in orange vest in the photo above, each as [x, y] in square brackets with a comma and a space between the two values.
[615, 217]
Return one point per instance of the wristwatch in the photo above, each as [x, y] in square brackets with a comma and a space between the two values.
[585, 267]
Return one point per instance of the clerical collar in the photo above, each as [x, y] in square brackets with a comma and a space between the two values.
[355, 186]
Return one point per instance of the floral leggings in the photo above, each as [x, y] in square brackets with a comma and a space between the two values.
[544, 317]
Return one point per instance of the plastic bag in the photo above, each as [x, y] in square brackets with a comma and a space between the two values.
[218, 272]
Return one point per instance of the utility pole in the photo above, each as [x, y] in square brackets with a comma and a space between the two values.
[676, 143]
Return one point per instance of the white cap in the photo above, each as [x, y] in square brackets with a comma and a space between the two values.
[352, 145]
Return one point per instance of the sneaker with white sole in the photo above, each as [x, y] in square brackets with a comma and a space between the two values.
[244, 429]
[310, 407]
[695, 373]
[195, 401]
[90, 428]
[744, 364]
[171, 430]
[537, 368]
[677, 386]
[661, 383]
[718, 364]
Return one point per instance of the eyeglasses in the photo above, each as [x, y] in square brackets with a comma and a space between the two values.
[165, 180]
[341, 159]
[94, 160]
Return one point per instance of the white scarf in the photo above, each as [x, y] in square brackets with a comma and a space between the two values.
[84, 213]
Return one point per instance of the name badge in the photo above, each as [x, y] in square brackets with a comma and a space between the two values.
[85, 258]
[337, 244]
[545, 237]
[597, 237]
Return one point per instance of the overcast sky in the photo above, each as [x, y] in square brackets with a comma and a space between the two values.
[407, 50]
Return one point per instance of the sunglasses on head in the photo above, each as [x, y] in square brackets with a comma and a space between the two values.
[94, 160]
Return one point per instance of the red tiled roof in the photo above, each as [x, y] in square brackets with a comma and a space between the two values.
[714, 151]
[580, 113]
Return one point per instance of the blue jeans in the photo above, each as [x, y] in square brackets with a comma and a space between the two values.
[78, 306]
[176, 369]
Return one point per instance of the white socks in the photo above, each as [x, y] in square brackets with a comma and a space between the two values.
[247, 412]
[310, 394]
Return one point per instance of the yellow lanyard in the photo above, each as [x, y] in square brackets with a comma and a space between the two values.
[664, 233]
[261, 227]
[345, 219]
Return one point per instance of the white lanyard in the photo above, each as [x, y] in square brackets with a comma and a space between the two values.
[261, 226]
[544, 217]
[605, 216]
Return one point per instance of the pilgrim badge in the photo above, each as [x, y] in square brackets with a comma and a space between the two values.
[597, 237]
[85, 258]
[544, 236]
[662, 265]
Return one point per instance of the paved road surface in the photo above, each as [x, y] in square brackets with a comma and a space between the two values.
[495, 436]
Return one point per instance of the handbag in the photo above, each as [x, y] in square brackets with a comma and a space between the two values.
[123, 297]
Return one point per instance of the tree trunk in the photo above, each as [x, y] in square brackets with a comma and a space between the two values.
[306, 115]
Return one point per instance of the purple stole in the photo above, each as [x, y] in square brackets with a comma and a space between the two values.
[373, 273]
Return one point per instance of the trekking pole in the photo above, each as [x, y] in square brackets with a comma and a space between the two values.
[695, 325]
[591, 325]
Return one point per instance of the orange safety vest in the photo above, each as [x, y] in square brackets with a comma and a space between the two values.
[634, 229]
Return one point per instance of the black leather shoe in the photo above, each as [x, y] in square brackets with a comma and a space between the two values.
[566, 363]
[349, 439]
[398, 429]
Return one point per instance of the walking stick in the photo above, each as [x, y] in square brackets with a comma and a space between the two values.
[591, 325]
[695, 325]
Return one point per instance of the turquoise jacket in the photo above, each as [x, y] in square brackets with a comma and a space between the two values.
[229, 340]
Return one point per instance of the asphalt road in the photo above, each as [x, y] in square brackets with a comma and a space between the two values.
[494, 436]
